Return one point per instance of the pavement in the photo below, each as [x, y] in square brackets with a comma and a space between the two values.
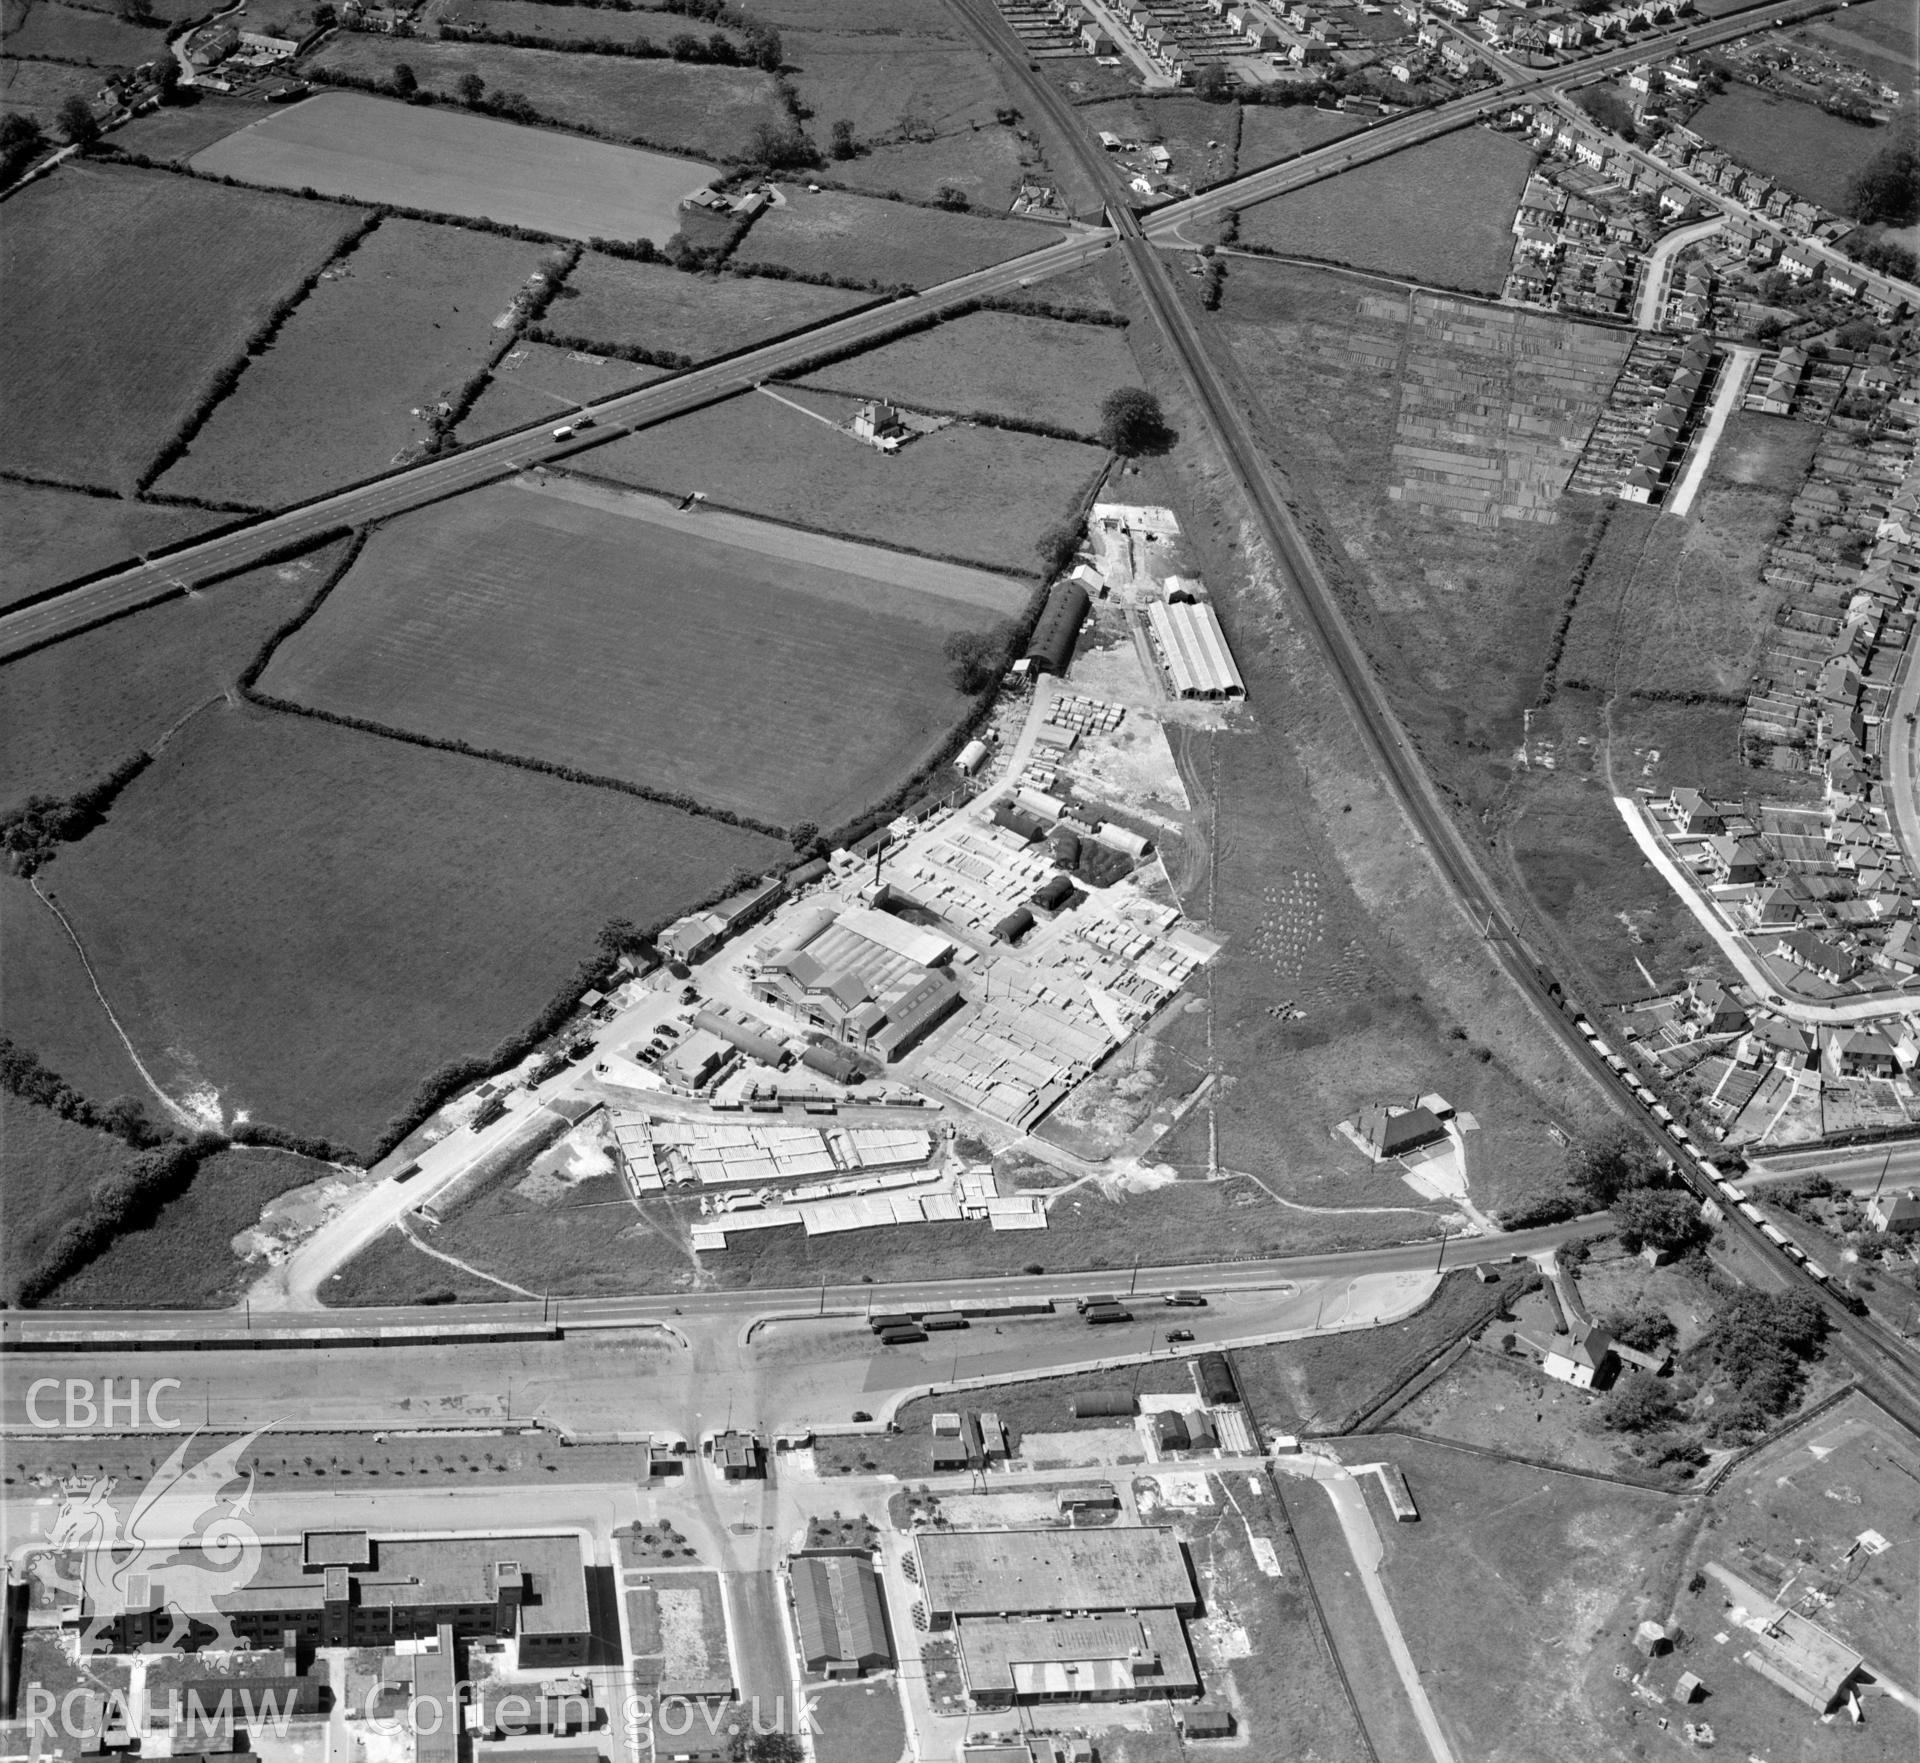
[1653, 286]
[1726, 399]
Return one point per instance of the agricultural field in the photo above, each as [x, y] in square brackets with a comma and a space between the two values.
[46, 31]
[39, 88]
[49, 1166]
[450, 162]
[184, 1259]
[395, 328]
[534, 383]
[170, 12]
[1037, 369]
[763, 457]
[302, 921]
[55, 535]
[174, 133]
[126, 291]
[1440, 213]
[707, 111]
[1199, 135]
[567, 25]
[74, 710]
[556, 600]
[1558, 1567]
[863, 240]
[650, 306]
[1798, 145]
[1270, 133]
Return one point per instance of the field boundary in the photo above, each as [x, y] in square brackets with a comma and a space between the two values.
[1488, 1453]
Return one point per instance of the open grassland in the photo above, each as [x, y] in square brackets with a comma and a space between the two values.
[858, 1723]
[72, 711]
[1034, 368]
[864, 240]
[39, 88]
[533, 383]
[986, 165]
[1326, 1383]
[125, 292]
[55, 535]
[306, 920]
[44, 1177]
[393, 330]
[565, 25]
[47, 1005]
[174, 133]
[1798, 145]
[1270, 133]
[1875, 34]
[451, 162]
[1198, 135]
[649, 306]
[184, 1259]
[167, 11]
[708, 111]
[982, 495]
[1438, 213]
[779, 676]
[66, 33]
[1557, 1567]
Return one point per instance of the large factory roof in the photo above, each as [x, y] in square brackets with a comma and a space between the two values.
[1004, 1572]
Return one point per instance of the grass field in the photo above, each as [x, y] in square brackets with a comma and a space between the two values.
[1036, 368]
[176, 132]
[858, 1723]
[1798, 145]
[707, 111]
[44, 1177]
[862, 239]
[306, 919]
[1272, 132]
[125, 292]
[55, 535]
[398, 326]
[1875, 34]
[498, 618]
[451, 162]
[1438, 213]
[1322, 1385]
[1554, 1565]
[65, 33]
[577, 24]
[760, 456]
[184, 1259]
[1198, 135]
[74, 710]
[649, 305]
[533, 383]
[169, 11]
[39, 88]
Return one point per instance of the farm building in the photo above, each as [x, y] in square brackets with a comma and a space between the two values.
[1051, 646]
[843, 1626]
[1193, 650]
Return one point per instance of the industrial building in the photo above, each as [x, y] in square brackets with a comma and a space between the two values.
[842, 1620]
[1063, 1616]
[1051, 646]
[1193, 650]
[872, 981]
[349, 1589]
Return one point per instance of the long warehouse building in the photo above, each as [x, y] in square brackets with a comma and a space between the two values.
[1194, 650]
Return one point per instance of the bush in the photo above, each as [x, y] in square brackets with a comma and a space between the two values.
[1638, 1404]
[32, 834]
[1542, 1209]
[976, 659]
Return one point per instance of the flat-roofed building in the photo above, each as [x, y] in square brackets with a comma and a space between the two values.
[1027, 1572]
[1123, 1657]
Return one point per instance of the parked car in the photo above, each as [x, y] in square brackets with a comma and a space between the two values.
[1176, 1335]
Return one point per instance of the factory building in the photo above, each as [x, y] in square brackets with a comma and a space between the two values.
[1063, 1616]
[842, 1622]
[1193, 650]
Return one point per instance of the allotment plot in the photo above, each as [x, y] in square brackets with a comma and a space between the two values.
[778, 674]
[374, 150]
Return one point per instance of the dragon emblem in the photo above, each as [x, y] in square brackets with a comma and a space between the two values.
[184, 1538]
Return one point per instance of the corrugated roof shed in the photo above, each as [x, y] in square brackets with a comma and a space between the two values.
[1195, 649]
[837, 1599]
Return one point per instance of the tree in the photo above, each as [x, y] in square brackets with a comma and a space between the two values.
[976, 659]
[763, 44]
[686, 47]
[1056, 548]
[1887, 187]
[844, 146]
[774, 1747]
[1638, 1404]
[1130, 420]
[133, 11]
[781, 149]
[1667, 1219]
[951, 196]
[405, 81]
[1213, 83]
[1612, 1161]
[471, 87]
[76, 121]
[21, 142]
[166, 80]
[1608, 109]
